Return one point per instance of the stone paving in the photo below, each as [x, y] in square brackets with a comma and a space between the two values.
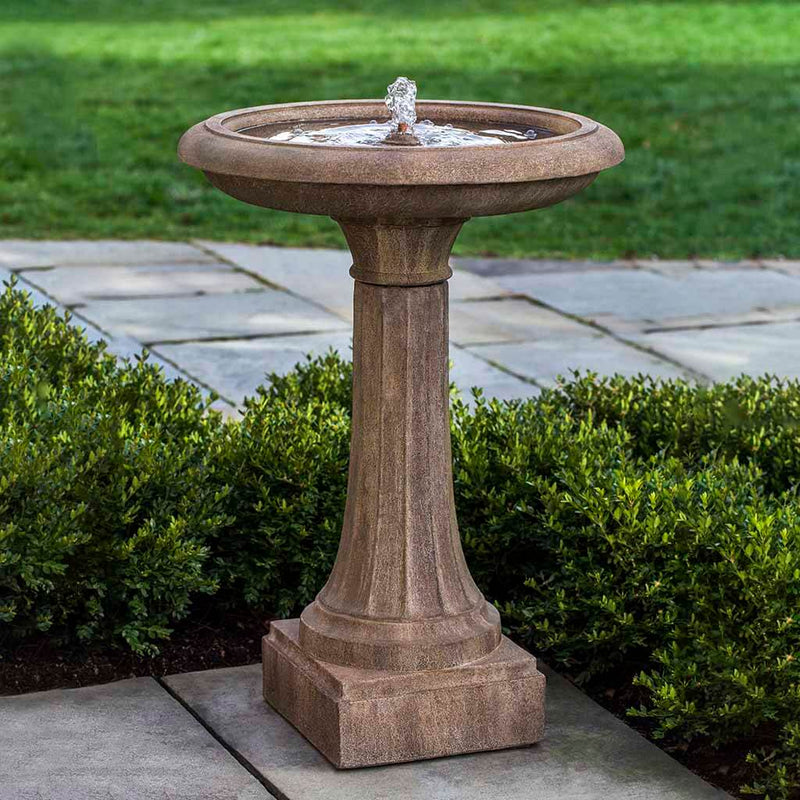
[128, 740]
[210, 736]
[225, 315]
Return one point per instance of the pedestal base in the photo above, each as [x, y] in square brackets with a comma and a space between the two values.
[359, 717]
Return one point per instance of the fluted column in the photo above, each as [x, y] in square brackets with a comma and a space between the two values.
[400, 596]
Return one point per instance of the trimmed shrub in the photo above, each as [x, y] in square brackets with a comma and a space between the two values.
[651, 528]
[286, 463]
[108, 486]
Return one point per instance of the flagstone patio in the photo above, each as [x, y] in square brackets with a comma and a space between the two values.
[210, 736]
[225, 315]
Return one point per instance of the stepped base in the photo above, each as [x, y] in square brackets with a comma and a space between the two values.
[362, 717]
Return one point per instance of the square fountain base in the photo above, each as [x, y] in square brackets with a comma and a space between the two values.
[360, 717]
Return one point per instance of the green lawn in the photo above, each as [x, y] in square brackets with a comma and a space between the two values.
[705, 95]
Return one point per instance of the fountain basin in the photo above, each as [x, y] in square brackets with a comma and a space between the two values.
[406, 183]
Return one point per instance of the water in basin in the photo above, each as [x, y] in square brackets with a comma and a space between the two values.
[426, 132]
[401, 128]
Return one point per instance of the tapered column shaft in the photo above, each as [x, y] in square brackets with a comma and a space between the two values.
[399, 511]
[400, 595]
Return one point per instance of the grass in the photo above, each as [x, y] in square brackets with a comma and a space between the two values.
[705, 96]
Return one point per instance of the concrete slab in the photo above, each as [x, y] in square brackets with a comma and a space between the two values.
[72, 285]
[724, 353]
[510, 320]
[645, 296]
[544, 361]
[21, 253]
[210, 316]
[587, 754]
[128, 740]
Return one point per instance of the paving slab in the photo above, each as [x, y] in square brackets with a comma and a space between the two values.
[11, 258]
[323, 275]
[128, 740]
[545, 361]
[73, 285]
[120, 346]
[236, 367]
[39, 298]
[21, 253]
[468, 370]
[193, 295]
[745, 263]
[510, 320]
[491, 267]
[649, 297]
[265, 312]
[318, 275]
[667, 267]
[587, 754]
[123, 347]
[728, 321]
[787, 266]
[725, 353]
[670, 268]
[466, 285]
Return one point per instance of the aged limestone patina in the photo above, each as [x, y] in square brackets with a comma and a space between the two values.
[400, 657]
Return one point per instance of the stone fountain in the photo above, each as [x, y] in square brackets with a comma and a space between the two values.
[400, 657]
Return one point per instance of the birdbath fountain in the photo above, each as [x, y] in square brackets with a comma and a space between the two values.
[400, 657]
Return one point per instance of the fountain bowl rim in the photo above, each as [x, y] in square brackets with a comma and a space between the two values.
[217, 145]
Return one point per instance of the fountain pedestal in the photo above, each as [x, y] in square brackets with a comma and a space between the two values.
[400, 657]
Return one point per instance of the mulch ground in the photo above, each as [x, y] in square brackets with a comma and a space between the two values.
[213, 641]
[231, 640]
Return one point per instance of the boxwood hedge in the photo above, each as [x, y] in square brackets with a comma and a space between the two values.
[622, 525]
